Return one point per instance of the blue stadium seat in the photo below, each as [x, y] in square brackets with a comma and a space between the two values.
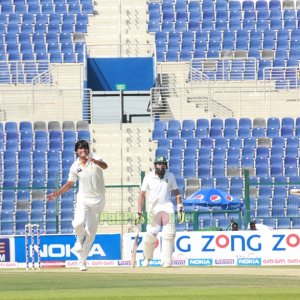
[215, 132]
[221, 143]
[222, 183]
[69, 136]
[60, 8]
[277, 152]
[7, 223]
[190, 153]
[175, 162]
[276, 170]
[162, 152]
[9, 157]
[176, 143]
[26, 145]
[258, 132]
[154, 7]
[235, 142]
[272, 132]
[204, 172]
[87, 7]
[47, 8]
[262, 22]
[262, 151]
[80, 27]
[22, 219]
[244, 133]
[192, 143]
[39, 155]
[291, 150]
[55, 57]
[201, 133]
[9, 175]
[280, 191]
[24, 155]
[66, 227]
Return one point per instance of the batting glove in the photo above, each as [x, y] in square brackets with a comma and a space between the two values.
[180, 213]
[138, 219]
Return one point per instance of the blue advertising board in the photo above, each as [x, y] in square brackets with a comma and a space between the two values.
[4, 250]
[60, 248]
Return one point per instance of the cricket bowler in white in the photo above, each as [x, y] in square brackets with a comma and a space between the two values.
[90, 198]
[158, 186]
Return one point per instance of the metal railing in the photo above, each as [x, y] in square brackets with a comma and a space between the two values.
[286, 78]
[224, 69]
[22, 72]
[118, 215]
[48, 94]
[182, 85]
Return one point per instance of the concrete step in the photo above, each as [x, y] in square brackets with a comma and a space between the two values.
[126, 152]
[117, 24]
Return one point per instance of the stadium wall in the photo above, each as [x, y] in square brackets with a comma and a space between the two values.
[243, 248]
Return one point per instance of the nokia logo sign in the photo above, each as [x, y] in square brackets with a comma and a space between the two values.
[249, 261]
[200, 262]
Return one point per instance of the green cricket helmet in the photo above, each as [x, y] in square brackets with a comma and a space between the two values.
[160, 159]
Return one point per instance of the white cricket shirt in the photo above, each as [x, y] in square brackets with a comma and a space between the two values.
[159, 190]
[90, 176]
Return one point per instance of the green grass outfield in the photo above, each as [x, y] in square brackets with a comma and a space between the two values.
[153, 283]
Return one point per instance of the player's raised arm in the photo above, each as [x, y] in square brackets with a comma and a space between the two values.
[60, 191]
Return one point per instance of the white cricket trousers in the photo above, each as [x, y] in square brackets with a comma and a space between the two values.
[85, 223]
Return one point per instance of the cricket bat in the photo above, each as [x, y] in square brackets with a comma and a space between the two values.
[134, 247]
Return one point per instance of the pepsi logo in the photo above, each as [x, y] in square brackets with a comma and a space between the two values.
[215, 198]
[200, 197]
[229, 198]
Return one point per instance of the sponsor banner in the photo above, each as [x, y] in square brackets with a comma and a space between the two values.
[223, 248]
[92, 263]
[9, 265]
[198, 262]
[53, 264]
[179, 262]
[5, 250]
[280, 261]
[249, 261]
[124, 263]
[224, 262]
[61, 248]
[152, 263]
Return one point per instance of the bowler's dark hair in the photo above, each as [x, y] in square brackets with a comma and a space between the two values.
[82, 144]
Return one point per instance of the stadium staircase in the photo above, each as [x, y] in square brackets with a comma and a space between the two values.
[119, 28]
[127, 152]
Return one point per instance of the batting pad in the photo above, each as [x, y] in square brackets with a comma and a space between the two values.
[149, 245]
[167, 249]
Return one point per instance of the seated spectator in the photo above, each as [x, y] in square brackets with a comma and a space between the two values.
[234, 226]
[253, 225]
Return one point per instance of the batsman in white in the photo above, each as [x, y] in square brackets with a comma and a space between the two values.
[158, 186]
[90, 198]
